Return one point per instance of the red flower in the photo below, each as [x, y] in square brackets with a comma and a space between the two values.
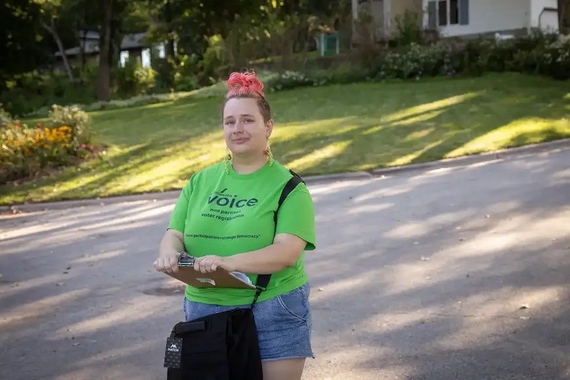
[39, 125]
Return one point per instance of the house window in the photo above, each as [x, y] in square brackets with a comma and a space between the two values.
[442, 12]
[447, 12]
[123, 57]
[453, 12]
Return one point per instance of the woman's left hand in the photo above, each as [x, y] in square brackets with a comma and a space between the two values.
[211, 263]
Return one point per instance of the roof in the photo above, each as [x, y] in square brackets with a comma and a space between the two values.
[89, 35]
[130, 41]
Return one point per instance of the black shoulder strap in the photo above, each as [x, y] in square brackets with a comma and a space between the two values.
[263, 279]
[289, 187]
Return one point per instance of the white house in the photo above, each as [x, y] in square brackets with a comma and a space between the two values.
[462, 18]
[456, 18]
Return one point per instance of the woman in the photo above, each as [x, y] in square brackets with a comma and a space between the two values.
[224, 218]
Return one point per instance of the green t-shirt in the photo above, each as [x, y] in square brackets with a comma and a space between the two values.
[224, 214]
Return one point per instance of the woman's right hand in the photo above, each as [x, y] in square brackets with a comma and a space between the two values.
[167, 262]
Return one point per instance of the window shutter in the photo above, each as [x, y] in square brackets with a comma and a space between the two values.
[464, 12]
[432, 15]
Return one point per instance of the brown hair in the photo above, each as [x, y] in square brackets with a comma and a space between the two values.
[248, 85]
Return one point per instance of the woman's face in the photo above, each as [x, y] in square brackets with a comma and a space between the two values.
[245, 131]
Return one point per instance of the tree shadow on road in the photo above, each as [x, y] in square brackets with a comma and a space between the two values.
[459, 273]
[81, 295]
[452, 273]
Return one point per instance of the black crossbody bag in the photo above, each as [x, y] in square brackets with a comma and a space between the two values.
[222, 346]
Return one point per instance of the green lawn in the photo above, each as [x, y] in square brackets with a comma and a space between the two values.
[318, 130]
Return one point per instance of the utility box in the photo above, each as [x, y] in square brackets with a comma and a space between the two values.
[328, 44]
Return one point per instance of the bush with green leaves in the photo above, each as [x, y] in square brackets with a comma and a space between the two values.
[133, 79]
[76, 119]
[315, 78]
[416, 61]
[536, 53]
[29, 92]
[344, 74]
[287, 80]
[555, 59]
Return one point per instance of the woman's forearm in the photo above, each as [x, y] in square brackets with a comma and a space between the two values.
[271, 259]
[172, 242]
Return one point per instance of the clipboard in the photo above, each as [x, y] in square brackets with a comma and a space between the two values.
[218, 279]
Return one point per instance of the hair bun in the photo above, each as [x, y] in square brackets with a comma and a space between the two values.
[244, 83]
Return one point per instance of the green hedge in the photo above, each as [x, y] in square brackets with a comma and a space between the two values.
[538, 53]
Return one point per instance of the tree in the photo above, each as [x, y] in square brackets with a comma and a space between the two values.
[23, 41]
[52, 11]
[104, 73]
[564, 16]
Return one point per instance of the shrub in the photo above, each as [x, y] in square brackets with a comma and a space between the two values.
[29, 92]
[134, 79]
[26, 151]
[288, 80]
[415, 61]
[537, 53]
[342, 75]
[555, 59]
[214, 56]
[75, 118]
[294, 79]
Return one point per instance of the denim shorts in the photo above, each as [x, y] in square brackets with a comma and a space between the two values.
[283, 323]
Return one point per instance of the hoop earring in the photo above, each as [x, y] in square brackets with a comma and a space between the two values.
[269, 154]
[228, 160]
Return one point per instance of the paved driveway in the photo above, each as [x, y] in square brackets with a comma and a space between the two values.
[449, 274]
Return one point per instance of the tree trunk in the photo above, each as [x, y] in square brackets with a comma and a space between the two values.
[564, 16]
[104, 73]
[52, 30]
[115, 49]
[84, 42]
[169, 51]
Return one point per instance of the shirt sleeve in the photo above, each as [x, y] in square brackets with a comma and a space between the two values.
[297, 216]
[180, 212]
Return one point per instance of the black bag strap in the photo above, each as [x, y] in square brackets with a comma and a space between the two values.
[263, 279]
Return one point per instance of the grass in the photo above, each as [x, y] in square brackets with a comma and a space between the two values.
[318, 131]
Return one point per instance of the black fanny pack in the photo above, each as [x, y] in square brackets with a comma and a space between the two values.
[222, 346]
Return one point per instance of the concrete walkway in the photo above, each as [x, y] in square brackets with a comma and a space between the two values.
[456, 273]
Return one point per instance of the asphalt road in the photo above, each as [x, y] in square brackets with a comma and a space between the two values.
[458, 273]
